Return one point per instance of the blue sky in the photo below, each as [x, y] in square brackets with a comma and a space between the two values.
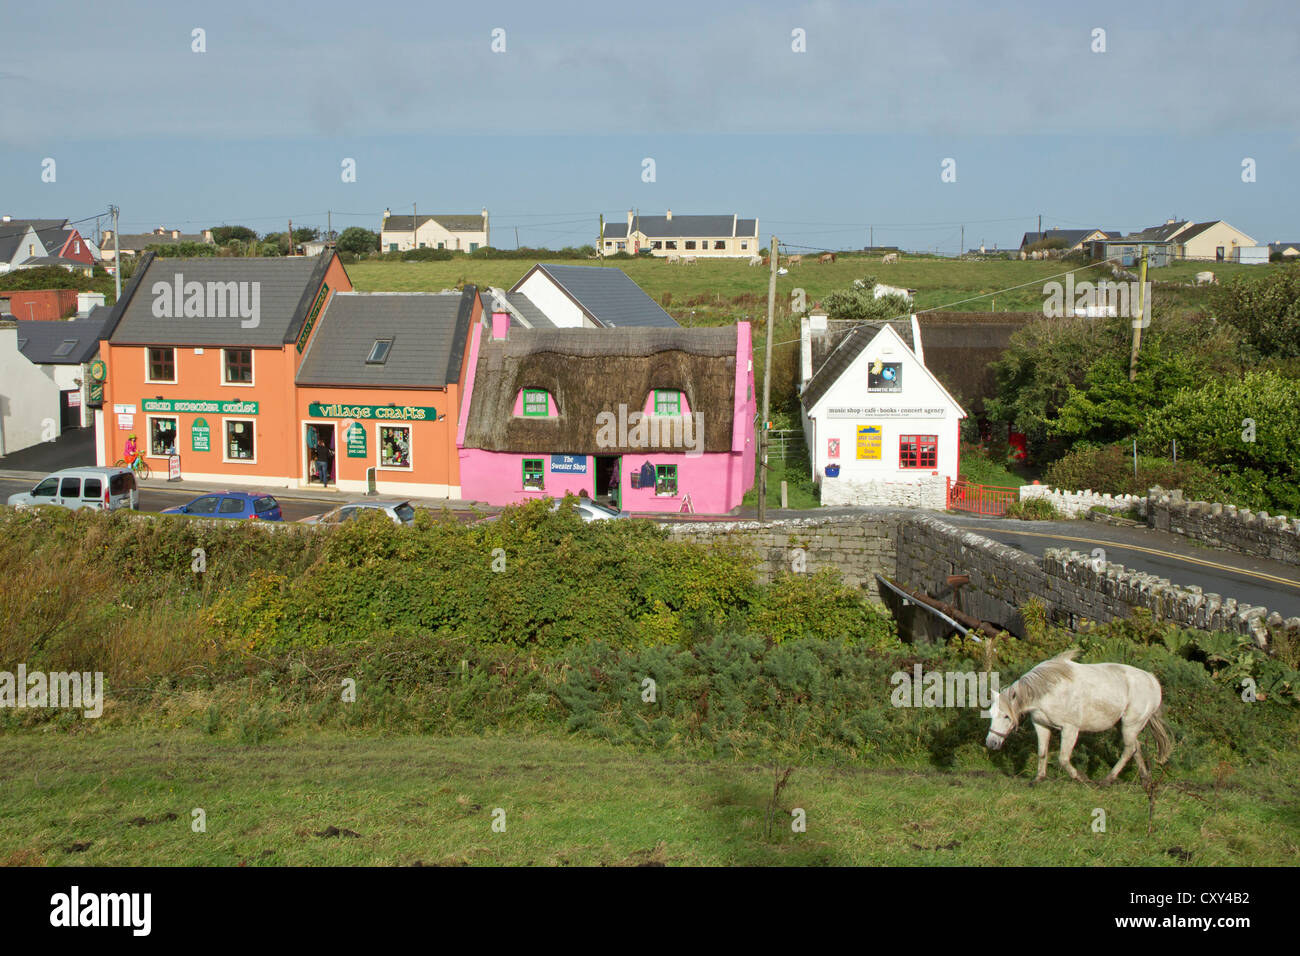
[821, 145]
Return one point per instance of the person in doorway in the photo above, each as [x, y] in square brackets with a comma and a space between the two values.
[323, 462]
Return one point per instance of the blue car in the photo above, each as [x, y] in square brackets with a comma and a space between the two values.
[231, 504]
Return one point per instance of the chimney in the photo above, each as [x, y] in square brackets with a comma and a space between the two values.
[387, 213]
[629, 222]
[670, 215]
[176, 233]
[500, 325]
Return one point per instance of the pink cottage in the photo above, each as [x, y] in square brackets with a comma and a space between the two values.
[642, 419]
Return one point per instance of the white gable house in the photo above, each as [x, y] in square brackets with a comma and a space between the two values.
[880, 428]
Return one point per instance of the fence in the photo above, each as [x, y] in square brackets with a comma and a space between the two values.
[786, 444]
[980, 499]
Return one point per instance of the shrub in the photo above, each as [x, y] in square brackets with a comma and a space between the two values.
[1033, 509]
[1109, 470]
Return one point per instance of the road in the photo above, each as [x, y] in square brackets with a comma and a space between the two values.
[1252, 580]
[156, 499]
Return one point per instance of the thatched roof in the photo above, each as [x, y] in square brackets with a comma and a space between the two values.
[594, 371]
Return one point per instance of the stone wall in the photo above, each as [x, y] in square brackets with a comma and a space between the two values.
[1076, 503]
[1225, 526]
[929, 493]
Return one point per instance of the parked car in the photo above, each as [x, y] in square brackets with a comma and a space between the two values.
[231, 504]
[589, 510]
[400, 512]
[103, 489]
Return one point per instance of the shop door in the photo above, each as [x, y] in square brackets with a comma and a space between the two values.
[606, 485]
[315, 434]
[69, 409]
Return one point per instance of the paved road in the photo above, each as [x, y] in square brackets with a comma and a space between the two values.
[1255, 580]
[156, 499]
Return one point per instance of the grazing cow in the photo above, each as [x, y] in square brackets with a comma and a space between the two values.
[1035, 255]
[688, 261]
[826, 257]
[1204, 278]
[881, 290]
[755, 260]
[1023, 257]
[794, 260]
[890, 259]
[673, 259]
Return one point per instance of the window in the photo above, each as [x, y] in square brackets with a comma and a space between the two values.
[264, 504]
[473, 247]
[720, 244]
[379, 352]
[609, 243]
[70, 488]
[239, 445]
[92, 488]
[395, 446]
[239, 366]
[162, 366]
[121, 484]
[668, 402]
[656, 244]
[404, 512]
[690, 243]
[744, 245]
[66, 347]
[203, 506]
[442, 245]
[1218, 253]
[622, 246]
[421, 245]
[231, 506]
[918, 451]
[533, 473]
[670, 244]
[536, 402]
[46, 489]
[666, 480]
[392, 247]
[162, 436]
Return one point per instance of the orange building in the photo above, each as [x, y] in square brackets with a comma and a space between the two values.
[244, 368]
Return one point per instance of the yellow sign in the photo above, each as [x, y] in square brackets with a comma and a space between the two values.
[869, 442]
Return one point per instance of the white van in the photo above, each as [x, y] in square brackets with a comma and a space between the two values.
[103, 489]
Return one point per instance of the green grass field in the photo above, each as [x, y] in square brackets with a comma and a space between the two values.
[125, 798]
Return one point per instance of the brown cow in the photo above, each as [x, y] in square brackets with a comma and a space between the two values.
[794, 260]
[826, 257]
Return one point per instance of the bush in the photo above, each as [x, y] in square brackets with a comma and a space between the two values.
[1109, 470]
[1033, 509]
[426, 255]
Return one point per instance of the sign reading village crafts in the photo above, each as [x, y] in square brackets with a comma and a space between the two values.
[190, 405]
[397, 413]
[569, 464]
[355, 437]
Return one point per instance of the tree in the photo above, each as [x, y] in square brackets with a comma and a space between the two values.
[1266, 310]
[224, 235]
[358, 241]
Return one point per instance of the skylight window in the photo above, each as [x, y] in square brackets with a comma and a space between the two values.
[379, 352]
[66, 347]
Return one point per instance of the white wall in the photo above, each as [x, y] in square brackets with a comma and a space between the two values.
[555, 305]
[28, 396]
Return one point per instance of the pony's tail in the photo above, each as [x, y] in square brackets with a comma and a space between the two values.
[1164, 739]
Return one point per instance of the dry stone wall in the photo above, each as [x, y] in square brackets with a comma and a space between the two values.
[1225, 526]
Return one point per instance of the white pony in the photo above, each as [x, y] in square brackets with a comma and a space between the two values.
[1062, 695]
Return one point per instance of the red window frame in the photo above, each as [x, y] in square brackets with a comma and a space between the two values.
[918, 451]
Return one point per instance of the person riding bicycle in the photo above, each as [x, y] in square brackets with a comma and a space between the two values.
[131, 450]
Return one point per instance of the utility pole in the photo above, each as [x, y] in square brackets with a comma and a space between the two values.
[415, 225]
[767, 388]
[290, 237]
[600, 239]
[873, 238]
[117, 258]
[329, 226]
[1137, 323]
[961, 251]
[516, 237]
[1040, 225]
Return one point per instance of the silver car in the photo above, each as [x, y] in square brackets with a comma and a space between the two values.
[399, 512]
[89, 486]
[589, 510]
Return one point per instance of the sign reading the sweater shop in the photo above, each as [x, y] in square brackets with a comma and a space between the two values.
[390, 413]
[878, 411]
[569, 464]
[355, 436]
[200, 435]
[210, 408]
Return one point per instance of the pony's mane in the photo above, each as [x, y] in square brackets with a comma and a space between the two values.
[1032, 686]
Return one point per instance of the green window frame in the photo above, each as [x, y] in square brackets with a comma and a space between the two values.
[534, 477]
[666, 480]
[668, 402]
[537, 402]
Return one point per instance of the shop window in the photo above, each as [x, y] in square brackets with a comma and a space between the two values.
[395, 446]
[536, 402]
[668, 402]
[666, 480]
[162, 436]
[918, 451]
[162, 365]
[533, 474]
[239, 366]
[239, 443]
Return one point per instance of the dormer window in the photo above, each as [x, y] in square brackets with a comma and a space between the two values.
[668, 402]
[537, 402]
[379, 352]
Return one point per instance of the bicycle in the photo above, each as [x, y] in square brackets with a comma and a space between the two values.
[139, 466]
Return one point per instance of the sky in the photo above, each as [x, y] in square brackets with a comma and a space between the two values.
[828, 121]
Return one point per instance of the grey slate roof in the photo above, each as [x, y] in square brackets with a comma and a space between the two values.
[607, 295]
[691, 226]
[40, 340]
[1159, 233]
[842, 355]
[1195, 230]
[286, 286]
[54, 261]
[139, 241]
[429, 332]
[1280, 246]
[12, 235]
[1072, 236]
[535, 316]
[452, 222]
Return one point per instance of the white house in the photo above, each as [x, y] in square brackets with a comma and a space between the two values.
[880, 428]
[712, 237]
[43, 379]
[466, 233]
[590, 297]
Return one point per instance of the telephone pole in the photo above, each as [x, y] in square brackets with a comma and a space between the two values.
[117, 257]
[767, 387]
[1137, 323]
